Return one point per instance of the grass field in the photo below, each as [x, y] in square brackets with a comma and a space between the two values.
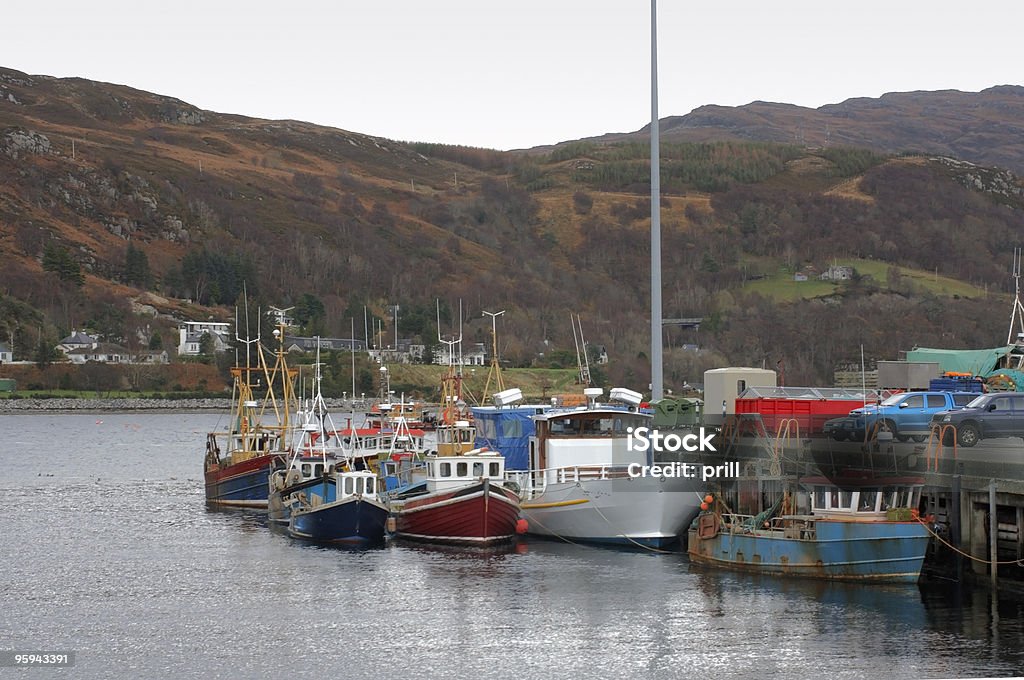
[782, 288]
[536, 383]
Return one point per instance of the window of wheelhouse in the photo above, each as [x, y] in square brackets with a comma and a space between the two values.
[350, 486]
[307, 470]
[318, 470]
[495, 470]
[461, 469]
[446, 469]
[868, 501]
[370, 484]
[478, 469]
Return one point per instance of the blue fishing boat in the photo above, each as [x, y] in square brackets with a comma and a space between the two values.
[859, 528]
[343, 507]
[326, 493]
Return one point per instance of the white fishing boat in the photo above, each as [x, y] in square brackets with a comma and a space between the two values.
[584, 483]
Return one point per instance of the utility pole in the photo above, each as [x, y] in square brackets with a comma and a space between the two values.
[657, 386]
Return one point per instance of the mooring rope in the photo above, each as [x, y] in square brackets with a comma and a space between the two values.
[1019, 562]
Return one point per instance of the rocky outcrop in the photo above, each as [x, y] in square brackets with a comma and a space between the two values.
[17, 142]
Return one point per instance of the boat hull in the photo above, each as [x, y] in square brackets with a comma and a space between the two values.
[841, 550]
[350, 521]
[242, 485]
[642, 511]
[480, 513]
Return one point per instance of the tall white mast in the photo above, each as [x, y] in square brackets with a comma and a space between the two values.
[657, 387]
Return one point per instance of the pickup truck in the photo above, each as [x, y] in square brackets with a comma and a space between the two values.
[907, 415]
[1000, 414]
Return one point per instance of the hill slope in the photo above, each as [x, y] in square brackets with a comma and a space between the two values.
[121, 211]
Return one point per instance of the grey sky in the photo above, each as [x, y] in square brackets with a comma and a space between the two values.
[512, 74]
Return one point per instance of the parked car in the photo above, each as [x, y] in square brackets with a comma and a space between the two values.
[906, 415]
[998, 414]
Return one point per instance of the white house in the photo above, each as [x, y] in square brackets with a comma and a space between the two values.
[190, 334]
[6, 355]
[103, 353]
[76, 341]
[476, 355]
[837, 272]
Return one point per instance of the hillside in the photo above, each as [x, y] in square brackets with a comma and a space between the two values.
[981, 127]
[122, 211]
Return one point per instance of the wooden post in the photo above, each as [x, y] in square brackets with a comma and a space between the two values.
[954, 524]
[993, 535]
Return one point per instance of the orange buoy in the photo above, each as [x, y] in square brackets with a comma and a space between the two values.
[709, 499]
[704, 506]
[522, 526]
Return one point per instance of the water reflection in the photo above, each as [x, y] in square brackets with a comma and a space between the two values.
[133, 570]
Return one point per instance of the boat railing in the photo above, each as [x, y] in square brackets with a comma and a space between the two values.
[800, 527]
[532, 483]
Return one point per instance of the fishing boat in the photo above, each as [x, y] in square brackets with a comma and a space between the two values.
[326, 493]
[465, 498]
[585, 481]
[860, 527]
[238, 459]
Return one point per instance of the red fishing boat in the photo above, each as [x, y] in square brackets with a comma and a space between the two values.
[239, 458]
[465, 498]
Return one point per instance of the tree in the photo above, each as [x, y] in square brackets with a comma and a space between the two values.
[136, 267]
[57, 259]
[206, 345]
[46, 353]
[310, 313]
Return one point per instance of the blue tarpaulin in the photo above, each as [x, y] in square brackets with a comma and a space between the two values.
[507, 430]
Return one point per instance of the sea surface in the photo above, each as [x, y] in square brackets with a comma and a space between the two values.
[109, 551]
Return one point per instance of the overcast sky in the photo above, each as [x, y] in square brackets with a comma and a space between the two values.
[506, 75]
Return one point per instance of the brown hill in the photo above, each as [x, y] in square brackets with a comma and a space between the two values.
[122, 211]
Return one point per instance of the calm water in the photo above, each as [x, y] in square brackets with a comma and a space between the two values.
[108, 550]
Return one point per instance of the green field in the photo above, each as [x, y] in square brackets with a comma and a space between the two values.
[781, 287]
[536, 383]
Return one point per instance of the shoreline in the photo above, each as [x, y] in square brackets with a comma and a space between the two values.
[59, 405]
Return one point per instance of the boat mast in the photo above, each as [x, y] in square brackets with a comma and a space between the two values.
[657, 388]
[495, 369]
[450, 381]
[1018, 308]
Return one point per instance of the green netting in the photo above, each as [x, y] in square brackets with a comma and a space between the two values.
[974, 361]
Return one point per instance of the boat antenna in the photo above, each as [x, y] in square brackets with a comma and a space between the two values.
[495, 369]
[1018, 308]
[582, 360]
[450, 382]
[352, 346]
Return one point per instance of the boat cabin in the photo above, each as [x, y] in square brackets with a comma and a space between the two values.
[586, 438]
[362, 483]
[455, 439]
[864, 499]
[449, 472]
